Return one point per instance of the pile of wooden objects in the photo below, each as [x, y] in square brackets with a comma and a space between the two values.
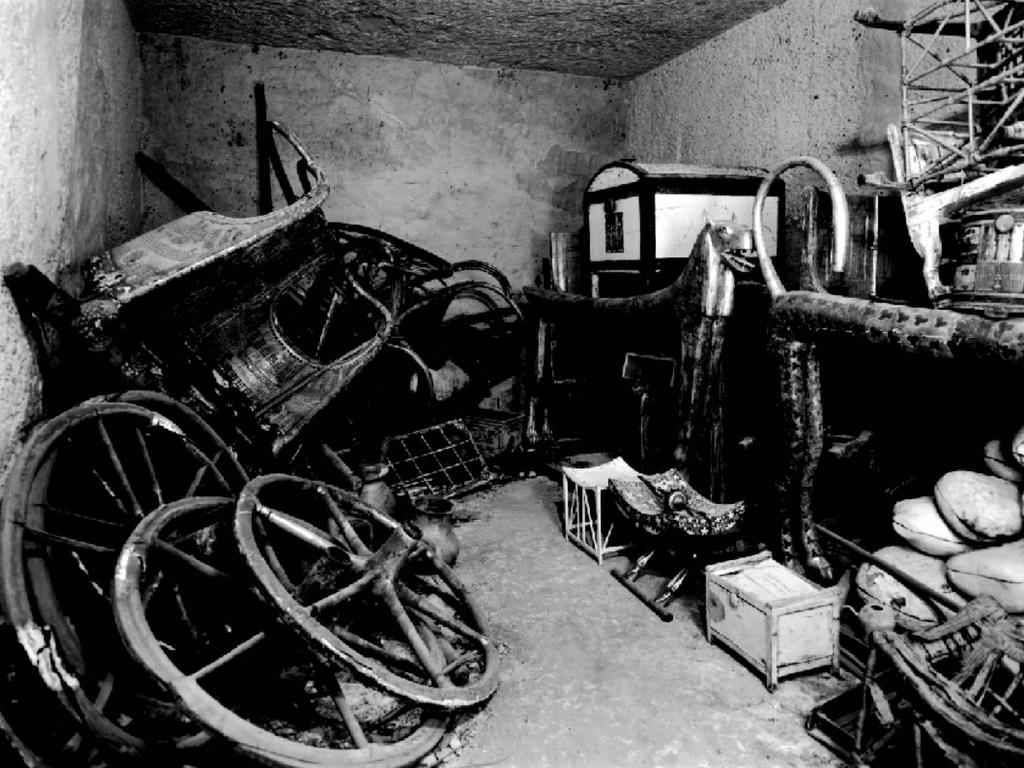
[939, 650]
[175, 590]
[170, 608]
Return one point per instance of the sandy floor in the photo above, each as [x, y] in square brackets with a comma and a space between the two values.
[590, 677]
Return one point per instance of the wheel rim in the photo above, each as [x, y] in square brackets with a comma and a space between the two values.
[398, 654]
[141, 575]
[75, 492]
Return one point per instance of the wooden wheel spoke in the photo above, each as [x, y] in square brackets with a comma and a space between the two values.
[110, 493]
[231, 655]
[378, 652]
[115, 462]
[427, 585]
[81, 538]
[370, 511]
[458, 661]
[272, 559]
[347, 531]
[307, 534]
[60, 511]
[183, 612]
[446, 574]
[70, 542]
[348, 717]
[207, 466]
[73, 445]
[343, 594]
[197, 479]
[412, 635]
[147, 461]
[97, 590]
[425, 608]
[217, 474]
[430, 640]
[194, 563]
[215, 458]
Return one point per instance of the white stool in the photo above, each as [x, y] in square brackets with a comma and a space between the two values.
[585, 525]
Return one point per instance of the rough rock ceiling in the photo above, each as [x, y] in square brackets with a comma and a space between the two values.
[603, 38]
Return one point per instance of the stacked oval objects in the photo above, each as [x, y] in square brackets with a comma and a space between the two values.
[965, 540]
[162, 607]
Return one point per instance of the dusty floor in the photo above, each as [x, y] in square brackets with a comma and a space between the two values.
[590, 677]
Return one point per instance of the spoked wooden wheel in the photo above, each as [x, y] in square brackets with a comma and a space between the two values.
[77, 489]
[220, 652]
[397, 617]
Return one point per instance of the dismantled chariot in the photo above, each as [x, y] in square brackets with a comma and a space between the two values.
[171, 602]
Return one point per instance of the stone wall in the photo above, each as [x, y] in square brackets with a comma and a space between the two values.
[803, 78]
[70, 121]
[468, 162]
[800, 79]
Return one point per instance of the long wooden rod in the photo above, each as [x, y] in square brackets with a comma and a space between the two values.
[265, 203]
[916, 584]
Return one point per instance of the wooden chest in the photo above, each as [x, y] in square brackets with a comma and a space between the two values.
[774, 618]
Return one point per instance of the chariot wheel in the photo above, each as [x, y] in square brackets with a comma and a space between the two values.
[396, 616]
[199, 629]
[75, 492]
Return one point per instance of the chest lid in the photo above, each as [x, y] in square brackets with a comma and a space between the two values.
[623, 173]
[767, 581]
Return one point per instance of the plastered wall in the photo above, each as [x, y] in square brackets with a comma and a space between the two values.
[803, 78]
[70, 122]
[470, 163]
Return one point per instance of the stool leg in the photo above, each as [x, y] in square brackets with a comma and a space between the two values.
[628, 580]
[672, 586]
[638, 567]
[565, 505]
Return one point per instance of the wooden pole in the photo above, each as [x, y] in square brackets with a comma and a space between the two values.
[265, 204]
[912, 582]
[180, 195]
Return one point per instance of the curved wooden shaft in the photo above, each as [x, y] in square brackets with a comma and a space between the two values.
[840, 218]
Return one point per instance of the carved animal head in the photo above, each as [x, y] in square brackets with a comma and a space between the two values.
[733, 241]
